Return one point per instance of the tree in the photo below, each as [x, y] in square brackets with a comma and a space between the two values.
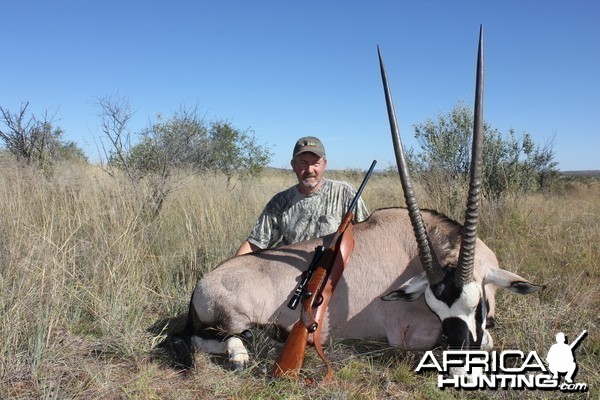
[516, 164]
[115, 114]
[512, 163]
[234, 151]
[150, 188]
[176, 143]
[35, 141]
[186, 141]
[170, 148]
[70, 151]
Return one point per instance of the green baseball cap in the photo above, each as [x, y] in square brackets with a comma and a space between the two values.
[309, 144]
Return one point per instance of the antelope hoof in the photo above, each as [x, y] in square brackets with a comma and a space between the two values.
[237, 354]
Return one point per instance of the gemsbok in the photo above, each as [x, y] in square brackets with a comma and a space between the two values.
[447, 277]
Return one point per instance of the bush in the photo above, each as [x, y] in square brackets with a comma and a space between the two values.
[34, 140]
[186, 141]
[170, 150]
[512, 164]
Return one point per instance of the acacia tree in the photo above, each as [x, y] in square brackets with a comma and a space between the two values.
[170, 148]
[34, 140]
[186, 141]
[512, 163]
[516, 164]
[179, 142]
[234, 151]
[151, 188]
[115, 114]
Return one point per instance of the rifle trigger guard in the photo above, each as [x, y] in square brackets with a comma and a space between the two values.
[318, 301]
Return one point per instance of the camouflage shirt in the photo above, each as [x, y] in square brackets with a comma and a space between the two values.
[291, 217]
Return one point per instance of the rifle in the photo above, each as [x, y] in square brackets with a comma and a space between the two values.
[315, 289]
[306, 275]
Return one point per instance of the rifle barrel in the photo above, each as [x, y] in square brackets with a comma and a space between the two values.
[361, 187]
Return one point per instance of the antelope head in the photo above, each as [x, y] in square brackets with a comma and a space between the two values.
[460, 296]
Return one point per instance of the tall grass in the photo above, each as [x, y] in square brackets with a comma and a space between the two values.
[90, 283]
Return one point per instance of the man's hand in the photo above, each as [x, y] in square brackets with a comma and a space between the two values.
[246, 248]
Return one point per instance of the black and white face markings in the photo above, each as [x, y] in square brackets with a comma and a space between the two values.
[462, 310]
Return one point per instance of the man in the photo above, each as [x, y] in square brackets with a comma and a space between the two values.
[312, 208]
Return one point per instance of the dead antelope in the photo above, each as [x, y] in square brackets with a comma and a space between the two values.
[457, 273]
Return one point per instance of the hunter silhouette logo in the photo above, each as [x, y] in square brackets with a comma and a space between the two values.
[508, 369]
[560, 357]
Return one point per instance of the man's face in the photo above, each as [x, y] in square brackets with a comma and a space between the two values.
[309, 169]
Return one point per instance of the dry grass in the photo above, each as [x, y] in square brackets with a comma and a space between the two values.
[90, 284]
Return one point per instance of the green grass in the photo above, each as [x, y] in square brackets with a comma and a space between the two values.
[90, 284]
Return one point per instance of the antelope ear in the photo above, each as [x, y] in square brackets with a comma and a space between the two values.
[409, 291]
[513, 282]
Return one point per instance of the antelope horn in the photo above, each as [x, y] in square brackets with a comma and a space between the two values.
[429, 260]
[466, 258]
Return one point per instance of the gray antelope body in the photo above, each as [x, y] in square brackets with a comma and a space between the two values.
[445, 276]
[253, 290]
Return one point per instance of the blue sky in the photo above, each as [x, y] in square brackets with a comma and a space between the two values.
[288, 69]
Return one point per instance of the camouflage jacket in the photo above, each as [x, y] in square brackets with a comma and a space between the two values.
[291, 217]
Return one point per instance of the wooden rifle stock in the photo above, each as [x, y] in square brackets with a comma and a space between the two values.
[291, 357]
